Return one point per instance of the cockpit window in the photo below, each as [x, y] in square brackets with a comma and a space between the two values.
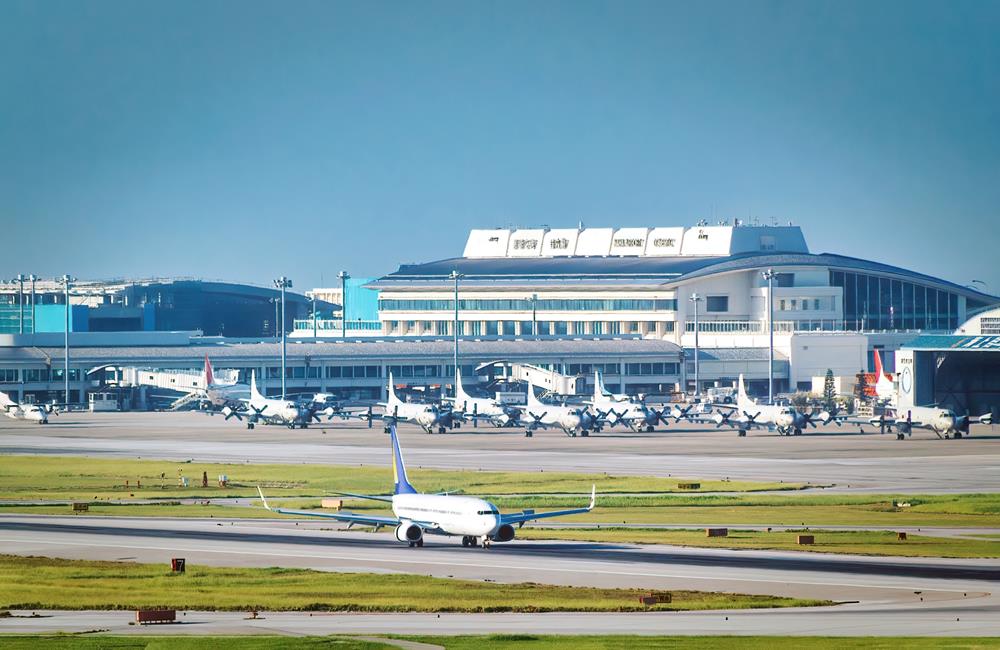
[489, 512]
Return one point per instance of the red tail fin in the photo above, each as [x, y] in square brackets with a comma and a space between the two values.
[209, 377]
[878, 365]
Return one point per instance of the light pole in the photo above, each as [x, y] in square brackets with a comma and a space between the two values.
[66, 280]
[313, 298]
[534, 314]
[695, 298]
[769, 276]
[344, 277]
[455, 275]
[282, 283]
[32, 278]
[20, 303]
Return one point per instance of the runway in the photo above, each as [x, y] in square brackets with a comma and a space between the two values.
[888, 591]
[840, 459]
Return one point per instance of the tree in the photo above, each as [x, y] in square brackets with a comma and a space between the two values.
[859, 388]
[829, 392]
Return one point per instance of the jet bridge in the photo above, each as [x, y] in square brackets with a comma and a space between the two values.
[550, 381]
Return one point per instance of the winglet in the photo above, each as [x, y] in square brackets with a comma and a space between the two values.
[593, 496]
[263, 500]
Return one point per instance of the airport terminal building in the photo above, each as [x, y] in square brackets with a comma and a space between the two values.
[829, 310]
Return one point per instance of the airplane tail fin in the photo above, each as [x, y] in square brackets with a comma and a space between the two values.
[391, 399]
[532, 401]
[5, 400]
[741, 394]
[460, 394]
[209, 375]
[402, 485]
[254, 393]
[878, 365]
[598, 387]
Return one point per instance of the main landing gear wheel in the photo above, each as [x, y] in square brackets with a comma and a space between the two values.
[958, 434]
[465, 541]
[899, 436]
[584, 434]
[442, 430]
[249, 425]
[649, 428]
[742, 433]
[798, 431]
[419, 542]
[528, 434]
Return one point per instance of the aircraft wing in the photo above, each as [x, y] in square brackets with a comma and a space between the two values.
[350, 517]
[373, 497]
[520, 518]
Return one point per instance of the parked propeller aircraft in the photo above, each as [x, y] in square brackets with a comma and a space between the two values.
[416, 514]
[273, 411]
[632, 412]
[749, 414]
[571, 419]
[943, 422]
[427, 416]
[29, 412]
[476, 408]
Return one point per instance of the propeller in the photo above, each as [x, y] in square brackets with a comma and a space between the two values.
[230, 412]
[537, 419]
[807, 420]
[751, 419]
[722, 418]
[881, 422]
[680, 413]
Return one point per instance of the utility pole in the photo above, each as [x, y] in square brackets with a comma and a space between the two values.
[314, 314]
[33, 278]
[66, 280]
[344, 277]
[695, 298]
[455, 275]
[20, 303]
[769, 276]
[283, 283]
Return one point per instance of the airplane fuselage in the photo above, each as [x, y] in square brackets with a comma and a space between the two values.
[452, 515]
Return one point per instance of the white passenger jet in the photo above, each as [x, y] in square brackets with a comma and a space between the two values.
[219, 395]
[417, 514]
[271, 411]
[885, 390]
[29, 412]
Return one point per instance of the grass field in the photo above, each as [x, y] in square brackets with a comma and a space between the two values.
[47, 583]
[496, 642]
[951, 510]
[57, 477]
[855, 542]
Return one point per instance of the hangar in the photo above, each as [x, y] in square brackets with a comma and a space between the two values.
[960, 372]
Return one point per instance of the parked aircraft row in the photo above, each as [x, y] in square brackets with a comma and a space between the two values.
[603, 410]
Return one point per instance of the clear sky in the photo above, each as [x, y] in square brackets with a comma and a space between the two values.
[243, 140]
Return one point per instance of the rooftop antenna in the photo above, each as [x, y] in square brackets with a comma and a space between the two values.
[579, 225]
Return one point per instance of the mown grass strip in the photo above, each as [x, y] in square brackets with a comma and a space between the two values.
[65, 477]
[875, 542]
[48, 583]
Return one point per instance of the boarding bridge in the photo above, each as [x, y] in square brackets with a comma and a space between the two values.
[183, 380]
[550, 381]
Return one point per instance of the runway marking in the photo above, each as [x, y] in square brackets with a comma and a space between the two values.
[479, 565]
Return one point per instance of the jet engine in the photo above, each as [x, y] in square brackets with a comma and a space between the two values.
[407, 532]
[505, 533]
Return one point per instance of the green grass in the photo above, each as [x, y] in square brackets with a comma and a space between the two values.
[494, 642]
[69, 642]
[854, 542]
[47, 583]
[58, 477]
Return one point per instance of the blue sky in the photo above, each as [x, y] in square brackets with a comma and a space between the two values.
[245, 140]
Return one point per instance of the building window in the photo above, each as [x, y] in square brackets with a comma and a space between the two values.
[8, 375]
[717, 303]
[543, 327]
[559, 328]
[491, 328]
[579, 327]
[816, 304]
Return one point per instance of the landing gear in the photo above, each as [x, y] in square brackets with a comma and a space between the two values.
[470, 541]
[899, 436]
[798, 431]
[584, 433]
[419, 542]
[442, 429]
[958, 434]
[250, 425]
[528, 433]
[649, 428]
[742, 433]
